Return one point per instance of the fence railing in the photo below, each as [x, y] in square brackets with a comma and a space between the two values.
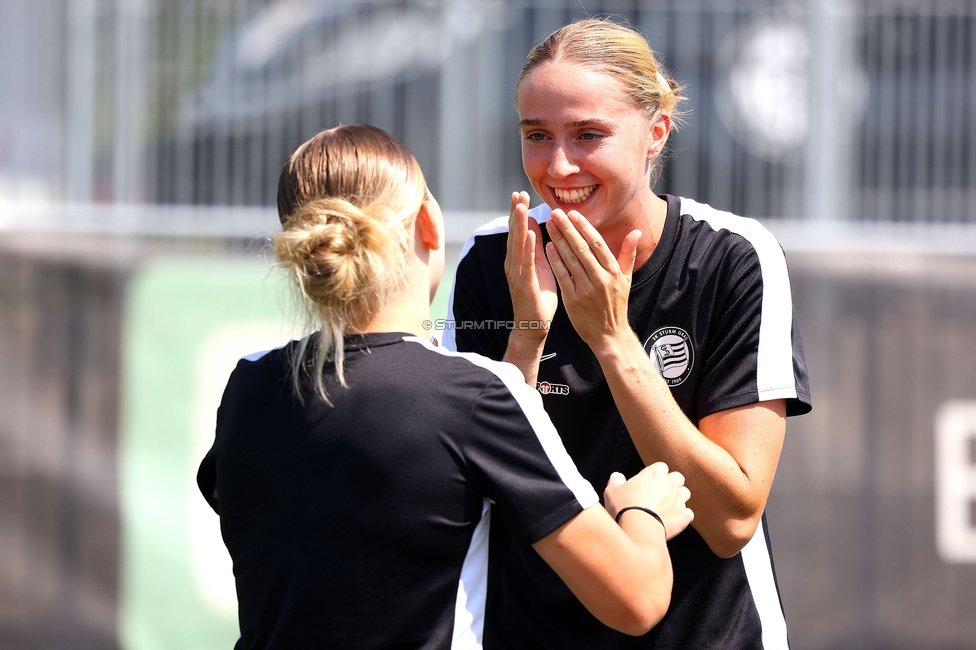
[859, 110]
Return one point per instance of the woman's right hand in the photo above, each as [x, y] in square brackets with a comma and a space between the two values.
[530, 280]
[654, 488]
[531, 285]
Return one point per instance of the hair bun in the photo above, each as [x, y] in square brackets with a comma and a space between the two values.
[333, 247]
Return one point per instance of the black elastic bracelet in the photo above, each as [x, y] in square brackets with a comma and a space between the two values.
[643, 509]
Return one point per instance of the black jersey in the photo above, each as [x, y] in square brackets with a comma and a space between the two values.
[713, 307]
[365, 524]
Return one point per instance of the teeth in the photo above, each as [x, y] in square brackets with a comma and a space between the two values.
[575, 195]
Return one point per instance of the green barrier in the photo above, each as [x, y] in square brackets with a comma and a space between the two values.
[186, 325]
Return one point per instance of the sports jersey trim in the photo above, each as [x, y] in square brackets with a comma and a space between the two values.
[774, 365]
[493, 227]
[256, 356]
[531, 404]
[540, 213]
[472, 594]
[762, 584]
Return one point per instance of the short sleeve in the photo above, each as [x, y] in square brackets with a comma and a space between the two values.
[754, 352]
[516, 453]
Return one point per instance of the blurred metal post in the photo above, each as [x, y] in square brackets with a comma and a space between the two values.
[131, 83]
[80, 101]
[470, 112]
[834, 108]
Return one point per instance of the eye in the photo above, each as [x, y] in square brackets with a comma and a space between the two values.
[535, 137]
[589, 137]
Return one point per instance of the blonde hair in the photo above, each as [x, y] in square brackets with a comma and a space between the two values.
[345, 199]
[620, 52]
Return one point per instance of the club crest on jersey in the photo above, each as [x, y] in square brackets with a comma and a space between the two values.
[546, 388]
[671, 353]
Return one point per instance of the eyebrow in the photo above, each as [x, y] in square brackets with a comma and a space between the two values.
[590, 122]
[577, 124]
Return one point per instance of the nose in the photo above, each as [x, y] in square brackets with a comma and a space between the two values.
[561, 163]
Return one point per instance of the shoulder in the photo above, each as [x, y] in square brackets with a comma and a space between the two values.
[494, 389]
[490, 234]
[509, 434]
[258, 390]
[496, 228]
[480, 368]
[257, 371]
[265, 360]
[734, 232]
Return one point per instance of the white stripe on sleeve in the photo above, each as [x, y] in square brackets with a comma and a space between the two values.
[774, 372]
[531, 403]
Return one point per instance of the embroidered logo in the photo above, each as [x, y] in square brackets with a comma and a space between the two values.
[546, 388]
[671, 353]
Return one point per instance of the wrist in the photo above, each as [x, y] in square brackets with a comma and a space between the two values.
[614, 349]
[526, 344]
[645, 512]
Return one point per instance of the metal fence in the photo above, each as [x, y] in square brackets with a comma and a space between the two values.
[918, 137]
[822, 109]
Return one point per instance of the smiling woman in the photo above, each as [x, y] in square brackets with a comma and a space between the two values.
[585, 146]
[671, 336]
[622, 58]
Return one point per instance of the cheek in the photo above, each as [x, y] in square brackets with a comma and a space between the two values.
[531, 158]
[535, 164]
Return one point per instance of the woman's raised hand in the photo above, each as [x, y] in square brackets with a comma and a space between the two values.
[595, 285]
[530, 280]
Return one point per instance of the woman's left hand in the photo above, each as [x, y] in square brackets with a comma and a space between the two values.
[595, 285]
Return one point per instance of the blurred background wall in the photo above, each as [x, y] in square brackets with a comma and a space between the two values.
[140, 145]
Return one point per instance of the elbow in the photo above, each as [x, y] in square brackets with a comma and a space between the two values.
[640, 609]
[732, 536]
[643, 624]
[639, 617]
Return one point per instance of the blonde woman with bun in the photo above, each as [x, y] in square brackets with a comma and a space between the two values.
[353, 470]
[658, 329]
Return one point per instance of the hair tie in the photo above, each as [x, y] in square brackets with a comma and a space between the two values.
[642, 509]
[661, 79]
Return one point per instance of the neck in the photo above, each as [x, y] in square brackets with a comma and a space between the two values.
[405, 312]
[648, 216]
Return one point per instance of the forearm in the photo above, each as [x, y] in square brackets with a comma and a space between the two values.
[621, 574]
[649, 565]
[728, 501]
[524, 353]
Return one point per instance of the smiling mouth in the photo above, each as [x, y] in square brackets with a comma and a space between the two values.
[577, 195]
